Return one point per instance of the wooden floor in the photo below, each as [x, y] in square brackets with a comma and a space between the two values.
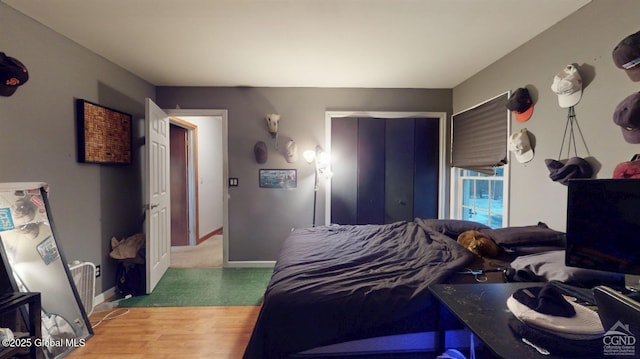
[176, 332]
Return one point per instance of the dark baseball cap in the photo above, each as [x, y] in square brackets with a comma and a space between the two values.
[520, 104]
[574, 167]
[546, 300]
[626, 55]
[12, 75]
[627, 116]
[260, 151]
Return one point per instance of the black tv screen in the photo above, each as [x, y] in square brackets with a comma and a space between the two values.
[603, 225]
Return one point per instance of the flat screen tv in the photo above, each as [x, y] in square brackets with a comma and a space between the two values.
[603, 225]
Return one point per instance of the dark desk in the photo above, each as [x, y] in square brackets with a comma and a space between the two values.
[483, 309]
[14, 301]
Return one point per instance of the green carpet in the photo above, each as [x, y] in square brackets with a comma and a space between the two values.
[190, 287]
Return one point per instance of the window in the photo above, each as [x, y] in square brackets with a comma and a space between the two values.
[480, 197]
[479, 187]
[479, 135]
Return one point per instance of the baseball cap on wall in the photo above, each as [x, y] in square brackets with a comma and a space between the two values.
[260, 151]
[12, 74]
[567, 84]
[574, 167]
[291, 152]
[630, 169]
[520, 104]
[627, 116]
[520, 145]
[626, 55]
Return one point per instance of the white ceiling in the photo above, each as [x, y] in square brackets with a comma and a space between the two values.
[301, 43]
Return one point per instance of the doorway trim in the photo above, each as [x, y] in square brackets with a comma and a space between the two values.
[223, 114]
[443, 209]
[192, 175]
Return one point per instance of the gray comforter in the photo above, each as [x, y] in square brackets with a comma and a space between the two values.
[341, 282]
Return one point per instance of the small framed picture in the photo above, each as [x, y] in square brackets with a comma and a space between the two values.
[48, 250]
[278, 178]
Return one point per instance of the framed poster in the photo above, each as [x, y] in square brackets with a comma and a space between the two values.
[284, 178]
[48, 250]
[104, 134]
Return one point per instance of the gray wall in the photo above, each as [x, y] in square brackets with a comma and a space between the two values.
[259, 219]
[90, 203]
[585, 39]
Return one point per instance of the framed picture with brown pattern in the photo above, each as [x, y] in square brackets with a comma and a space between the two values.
[104, 134]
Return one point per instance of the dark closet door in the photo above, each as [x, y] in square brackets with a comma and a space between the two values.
[386, 170]
[427, 168]
[344, 182]
[370, 166]
[399, 174]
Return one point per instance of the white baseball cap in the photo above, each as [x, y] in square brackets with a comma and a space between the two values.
[292, 152]
[567, 84]
[520, 145]
[586, 322]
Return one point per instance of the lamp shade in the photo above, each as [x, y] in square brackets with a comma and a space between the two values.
[309, 156]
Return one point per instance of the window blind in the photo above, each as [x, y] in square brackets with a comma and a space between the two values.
[479, 136]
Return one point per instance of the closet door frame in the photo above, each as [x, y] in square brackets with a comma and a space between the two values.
[443, 203]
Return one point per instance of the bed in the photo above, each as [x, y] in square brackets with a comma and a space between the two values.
[347, 283]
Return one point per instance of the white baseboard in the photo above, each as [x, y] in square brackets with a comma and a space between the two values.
[102, 297]
[250, 264]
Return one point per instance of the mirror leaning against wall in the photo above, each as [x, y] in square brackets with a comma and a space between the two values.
[35, 263]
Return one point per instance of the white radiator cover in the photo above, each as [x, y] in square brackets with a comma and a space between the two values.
[84, 277]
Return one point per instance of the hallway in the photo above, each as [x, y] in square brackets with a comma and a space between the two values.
[207, 254]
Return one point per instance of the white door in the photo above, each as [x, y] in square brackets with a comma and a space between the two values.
[158, 196]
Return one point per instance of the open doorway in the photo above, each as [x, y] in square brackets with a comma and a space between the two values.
[179, 168]
[200, 166]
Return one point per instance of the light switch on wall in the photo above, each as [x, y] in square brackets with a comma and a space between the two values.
[233, 182]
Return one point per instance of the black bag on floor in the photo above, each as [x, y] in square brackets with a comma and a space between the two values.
[130, 279]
